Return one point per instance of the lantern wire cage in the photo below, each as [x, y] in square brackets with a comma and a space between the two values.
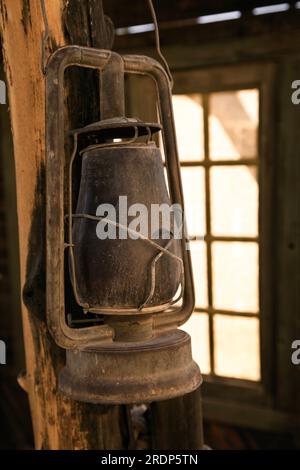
[162, 250]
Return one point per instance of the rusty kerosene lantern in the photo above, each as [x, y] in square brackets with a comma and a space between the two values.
[131, 349]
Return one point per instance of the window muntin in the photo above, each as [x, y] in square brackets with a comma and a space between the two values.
[221, 197]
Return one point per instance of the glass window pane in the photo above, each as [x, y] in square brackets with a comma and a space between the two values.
[233, 124]
[194, 198]
[198, 254]
[235, 276]
[188, 115]
[234, 201]
[237, 351]
[197, 328]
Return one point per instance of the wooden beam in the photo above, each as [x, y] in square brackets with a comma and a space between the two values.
[177, 424]
[189, 56]
[134, 12]
[214, 33]
[10, 285]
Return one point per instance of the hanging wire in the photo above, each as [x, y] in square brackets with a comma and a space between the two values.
[45, 36]
[157, 41]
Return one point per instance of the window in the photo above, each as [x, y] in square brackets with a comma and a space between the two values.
[225, 123]
[224, 132]
[218, 147]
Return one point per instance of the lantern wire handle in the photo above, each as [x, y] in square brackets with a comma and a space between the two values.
[157, 40]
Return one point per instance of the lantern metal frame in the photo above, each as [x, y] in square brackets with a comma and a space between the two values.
[163, 321]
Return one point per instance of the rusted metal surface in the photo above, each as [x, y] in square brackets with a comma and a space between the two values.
[120, 168]
[157, 369]
[114, 273]
[112, 100]
[121, 126]
[128, 358]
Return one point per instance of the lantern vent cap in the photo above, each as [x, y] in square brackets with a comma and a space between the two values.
[120, 126]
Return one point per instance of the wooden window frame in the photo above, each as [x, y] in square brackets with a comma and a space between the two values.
[221, 393]
[270, 65]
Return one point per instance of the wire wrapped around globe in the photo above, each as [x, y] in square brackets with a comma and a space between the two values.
[123, 189]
